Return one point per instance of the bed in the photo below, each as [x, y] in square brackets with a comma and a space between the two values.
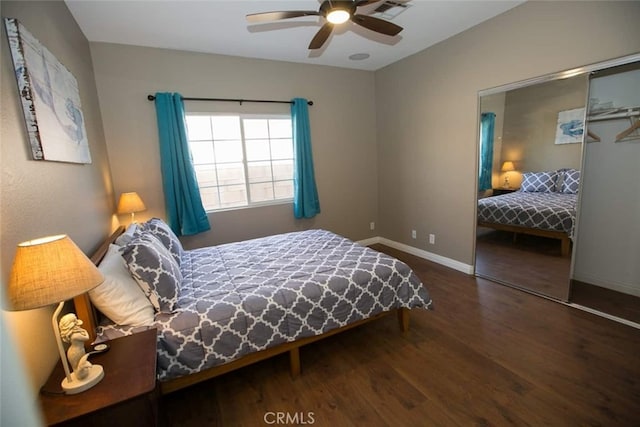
[544, 206]
[243, 302]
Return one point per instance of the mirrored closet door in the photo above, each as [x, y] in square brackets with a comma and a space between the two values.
[558, 206]
[527, 200]
[606, 272]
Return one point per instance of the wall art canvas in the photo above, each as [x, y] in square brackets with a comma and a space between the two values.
[570, 126]
[50, 100]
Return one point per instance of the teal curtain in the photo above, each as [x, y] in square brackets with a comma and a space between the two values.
[306, 203]
[487, 121]
[185, 213]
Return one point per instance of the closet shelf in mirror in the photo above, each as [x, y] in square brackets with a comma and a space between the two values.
[614, 113]
[632, 132]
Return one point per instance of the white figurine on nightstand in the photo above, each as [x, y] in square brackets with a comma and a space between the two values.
[72, 333]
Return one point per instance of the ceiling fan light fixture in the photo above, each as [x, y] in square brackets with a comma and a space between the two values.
[338, 16]
[335, 12]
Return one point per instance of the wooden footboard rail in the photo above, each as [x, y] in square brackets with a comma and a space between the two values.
[292, 347]
[565, 242]
[87, 313]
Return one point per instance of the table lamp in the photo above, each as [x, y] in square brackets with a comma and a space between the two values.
[506, 168]
[130, 203]
[52, 270]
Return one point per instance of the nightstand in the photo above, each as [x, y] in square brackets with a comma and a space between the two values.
[126, 396]
[499, 191]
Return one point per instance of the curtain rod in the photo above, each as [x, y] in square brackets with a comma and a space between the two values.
[152, 98]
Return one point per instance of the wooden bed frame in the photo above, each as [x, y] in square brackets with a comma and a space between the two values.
[88, 314]
[565, 242]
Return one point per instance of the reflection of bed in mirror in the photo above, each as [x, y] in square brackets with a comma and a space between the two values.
[544, 206]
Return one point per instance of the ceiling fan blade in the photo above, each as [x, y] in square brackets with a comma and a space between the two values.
[321, 36]
[274, 16]
[376, 24]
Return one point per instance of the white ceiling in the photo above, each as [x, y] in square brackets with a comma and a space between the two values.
[220, 26]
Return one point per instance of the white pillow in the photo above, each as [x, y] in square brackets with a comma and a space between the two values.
[119, 297]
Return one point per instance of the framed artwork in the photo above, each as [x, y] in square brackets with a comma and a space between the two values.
[570, 126]
[50, 100]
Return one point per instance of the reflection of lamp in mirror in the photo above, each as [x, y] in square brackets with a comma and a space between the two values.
[506, 168]
[52, 270]
[130, 203]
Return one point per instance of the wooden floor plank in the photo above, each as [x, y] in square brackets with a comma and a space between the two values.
[486, 355]
[532, 262]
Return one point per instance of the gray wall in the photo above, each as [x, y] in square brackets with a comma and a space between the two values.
[427, 109]
[41, 198]
[343, 131]
[530, 121]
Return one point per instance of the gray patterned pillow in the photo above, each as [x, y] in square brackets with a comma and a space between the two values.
[570, 181]
[163, 232]
[128, 234]
[155, 270]
[539, 182]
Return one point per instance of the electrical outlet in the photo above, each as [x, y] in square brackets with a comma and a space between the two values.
[372, 225]
[432, 239]
[414, 235]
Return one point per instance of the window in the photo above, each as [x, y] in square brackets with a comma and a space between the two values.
[241, 160]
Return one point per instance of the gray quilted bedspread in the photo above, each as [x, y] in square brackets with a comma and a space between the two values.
[244, 297]
[543, 211]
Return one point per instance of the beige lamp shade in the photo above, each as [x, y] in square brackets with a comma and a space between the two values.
[130, 203]
[50, 270]
[508, 166]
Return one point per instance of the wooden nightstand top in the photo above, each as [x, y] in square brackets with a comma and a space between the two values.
[129, 371]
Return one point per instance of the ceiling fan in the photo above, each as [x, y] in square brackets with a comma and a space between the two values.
[335, 12]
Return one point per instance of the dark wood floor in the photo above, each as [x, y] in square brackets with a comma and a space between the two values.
[531, 262]
[606, 300]
[535, 263]
[486, 355]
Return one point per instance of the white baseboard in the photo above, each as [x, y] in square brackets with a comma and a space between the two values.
[438, 259]
[369, 242]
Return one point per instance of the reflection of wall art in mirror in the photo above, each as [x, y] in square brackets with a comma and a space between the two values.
[50, 100]
[570, 126]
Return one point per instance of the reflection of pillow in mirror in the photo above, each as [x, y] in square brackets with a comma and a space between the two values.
[570, 181]
[539, 182]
